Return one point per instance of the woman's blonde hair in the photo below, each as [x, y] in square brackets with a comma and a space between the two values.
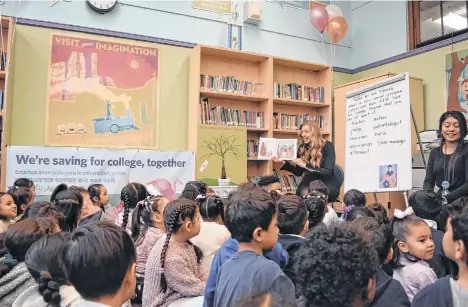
[313, 153]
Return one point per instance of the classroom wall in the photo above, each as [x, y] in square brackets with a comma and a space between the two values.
[286, 33]
[28, 84]
[429, 66]
[379, 30]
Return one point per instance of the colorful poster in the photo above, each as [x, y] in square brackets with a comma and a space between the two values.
[456, 72]
[166, 171]
[102, 93]
[222, 155]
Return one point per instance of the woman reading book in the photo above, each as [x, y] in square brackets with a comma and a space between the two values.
[315, 160]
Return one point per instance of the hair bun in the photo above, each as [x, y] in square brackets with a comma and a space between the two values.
[49, 289]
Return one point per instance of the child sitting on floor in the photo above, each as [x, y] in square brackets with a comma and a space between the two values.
[173, 269]
[254, 224]
[320, 187]
[412, 246]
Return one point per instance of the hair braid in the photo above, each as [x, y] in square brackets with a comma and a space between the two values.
[172, 222]
[126, 200]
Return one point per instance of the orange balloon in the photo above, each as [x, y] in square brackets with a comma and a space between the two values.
[337, 29]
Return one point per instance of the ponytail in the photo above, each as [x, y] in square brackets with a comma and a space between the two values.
[131, 195]
[49, 289]
[136, 216]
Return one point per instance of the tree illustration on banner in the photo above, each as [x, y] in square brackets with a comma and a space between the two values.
[457, 81]
[222, 155]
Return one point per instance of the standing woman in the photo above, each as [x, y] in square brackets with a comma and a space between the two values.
[448, 164]
[316, 160]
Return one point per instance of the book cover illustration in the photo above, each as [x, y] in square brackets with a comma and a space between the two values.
[285, 149]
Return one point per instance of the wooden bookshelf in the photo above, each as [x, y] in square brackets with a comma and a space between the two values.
[7, 26]
[264, 69]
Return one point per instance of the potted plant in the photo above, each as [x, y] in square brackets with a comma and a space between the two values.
[222, 146]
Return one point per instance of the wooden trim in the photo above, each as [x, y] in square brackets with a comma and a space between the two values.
[414, 25]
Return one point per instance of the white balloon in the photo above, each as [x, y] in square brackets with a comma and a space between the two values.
[333, 11]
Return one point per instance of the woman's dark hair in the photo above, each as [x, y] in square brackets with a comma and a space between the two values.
[358, 212]
[212, 208]
[23, 183]
[44, 263]
[315, 204]
[40, 209]
[131, 195]
[98, 258]
[69, 202]
[401, 228]
[144, 211]
[379, 212]
[175, 214]
[21, 196]
[94, 190]
[19, 238]
[463, 131]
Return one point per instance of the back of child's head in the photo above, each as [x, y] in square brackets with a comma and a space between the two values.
[315, 204]
[292, 215]
[145, 211]
[358, 212]
[401, 226]
[24, 183]
[426, 204]
[379, 235]
[131, 195]
[44, 263]
[70, 203]
[99, 259]
[19, 238]
[457, 230]
[248, 211]
[379, 212]
[94, 191]
[457, 206]
[354, 198]
[332, 256]
[192, 192]
[22, 198]
[212, 209]
[41, 209]
[318, 186]
[199, 185]
[175, 215]
[264, 299]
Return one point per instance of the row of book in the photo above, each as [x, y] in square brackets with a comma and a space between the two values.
[230, 117]
[299, 92]
[2, 99]
[3, 61]
[252, 148]
[230, 84]
[294, 121]
[289, 182]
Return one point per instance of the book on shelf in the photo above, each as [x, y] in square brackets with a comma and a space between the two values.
[217, 115]
[299, 92]
[2, 99]
[288, 182]
[252, 149]
[293, 121]
[229, 84]
[3, 61]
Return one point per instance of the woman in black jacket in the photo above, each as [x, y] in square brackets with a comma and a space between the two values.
[316, 160]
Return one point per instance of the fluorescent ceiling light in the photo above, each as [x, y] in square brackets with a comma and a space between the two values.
[454, 21]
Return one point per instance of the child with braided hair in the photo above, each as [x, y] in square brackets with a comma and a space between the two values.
[213, 233]
[131, 195]
[147, 228]
[174, 270]
[317, 207]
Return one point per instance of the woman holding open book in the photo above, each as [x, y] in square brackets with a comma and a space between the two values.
[316, 160]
